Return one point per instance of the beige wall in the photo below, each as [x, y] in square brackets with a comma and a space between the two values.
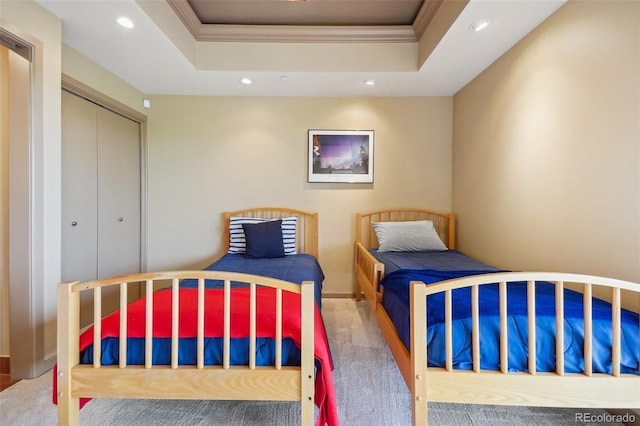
[546, 147]
[208, 155]
[80, 68]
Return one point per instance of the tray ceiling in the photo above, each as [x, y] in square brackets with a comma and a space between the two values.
[309, 48]
[308, 21]
[313, 12]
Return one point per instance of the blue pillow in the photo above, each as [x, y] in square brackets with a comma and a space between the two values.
[237, 242]
[264, 240]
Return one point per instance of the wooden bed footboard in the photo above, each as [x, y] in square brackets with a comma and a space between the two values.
[559, 389]
[230, 382]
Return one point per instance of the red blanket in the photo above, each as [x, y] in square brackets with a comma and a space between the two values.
[325, 394]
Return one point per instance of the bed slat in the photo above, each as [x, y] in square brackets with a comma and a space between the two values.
[97, 329]
[448, 330]
[560, 328]
[615, 337]
[200, 332]
[123, 325]
[148, 330]
[504, 339]
[252, 326]
[588, 330]
[175, 321]
[531, 322]
[278, 329]
[475, 326]
[226, 348]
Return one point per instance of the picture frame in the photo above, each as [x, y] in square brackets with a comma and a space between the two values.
[343, 156]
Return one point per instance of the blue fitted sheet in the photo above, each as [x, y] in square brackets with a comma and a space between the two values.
[431, 267]
[161, 354]
[293, 268]
[448, 260]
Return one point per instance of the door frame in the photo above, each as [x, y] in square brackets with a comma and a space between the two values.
[27, 311]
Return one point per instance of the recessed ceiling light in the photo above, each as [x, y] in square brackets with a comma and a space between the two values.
[284, 77]
[480, 25]
[370, 82]
[125, 22]
[245, 80]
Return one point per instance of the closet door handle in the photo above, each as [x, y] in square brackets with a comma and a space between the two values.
[120, 219]
[74, 223]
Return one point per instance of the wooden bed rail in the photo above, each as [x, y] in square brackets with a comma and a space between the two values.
[175, 381]
[368, 270]
[427, 378]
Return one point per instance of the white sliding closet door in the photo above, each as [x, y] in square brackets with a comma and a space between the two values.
[79, 189]
[101, 196]
[118, 195]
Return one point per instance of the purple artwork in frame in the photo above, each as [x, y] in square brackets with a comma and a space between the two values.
[341, 156]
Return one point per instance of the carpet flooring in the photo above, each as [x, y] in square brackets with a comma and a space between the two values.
[370, 392]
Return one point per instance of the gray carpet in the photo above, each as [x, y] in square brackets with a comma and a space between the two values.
[369, 388]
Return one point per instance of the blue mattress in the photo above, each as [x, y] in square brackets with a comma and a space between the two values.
[431, 267]
[294, 268]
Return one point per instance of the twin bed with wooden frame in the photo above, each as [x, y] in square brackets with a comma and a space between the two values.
[571, 375]
[239, 306]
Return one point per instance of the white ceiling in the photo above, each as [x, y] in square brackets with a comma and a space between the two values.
[146, 58]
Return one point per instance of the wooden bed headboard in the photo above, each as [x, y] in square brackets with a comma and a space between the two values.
[306, 230]
[443, 222]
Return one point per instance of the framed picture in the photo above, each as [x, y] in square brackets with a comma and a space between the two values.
[341, 156]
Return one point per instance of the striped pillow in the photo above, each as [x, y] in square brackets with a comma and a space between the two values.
[238, 243]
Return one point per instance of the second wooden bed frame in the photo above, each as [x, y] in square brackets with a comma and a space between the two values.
[250, 382]
[558, 389]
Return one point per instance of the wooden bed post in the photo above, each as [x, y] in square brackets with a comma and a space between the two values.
[419, 352]
[307, 362]
[68, 329]
[451, 244]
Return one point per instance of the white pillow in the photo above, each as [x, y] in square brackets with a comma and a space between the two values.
[413, 235]
[238, 243]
